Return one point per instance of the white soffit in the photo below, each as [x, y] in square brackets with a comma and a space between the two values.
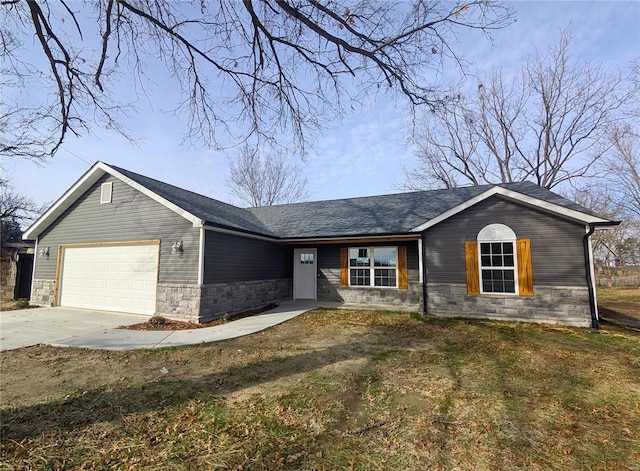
[517, 197]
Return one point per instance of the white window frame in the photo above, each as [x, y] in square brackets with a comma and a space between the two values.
[106, 192]
[372, 268]
[501, 234]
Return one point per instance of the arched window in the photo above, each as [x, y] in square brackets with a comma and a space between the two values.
[497, 259]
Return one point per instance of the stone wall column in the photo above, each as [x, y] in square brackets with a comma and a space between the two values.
[42, 292]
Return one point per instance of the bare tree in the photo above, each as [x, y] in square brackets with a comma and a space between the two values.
[617, 246]
[250, 68]
[549, 124]
[16, 211]
[623, 169]
[265, 180]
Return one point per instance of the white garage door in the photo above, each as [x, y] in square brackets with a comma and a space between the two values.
[110, 277]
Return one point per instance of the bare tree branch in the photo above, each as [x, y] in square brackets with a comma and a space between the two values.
[549, 125]
[255, 69]
[623, 168]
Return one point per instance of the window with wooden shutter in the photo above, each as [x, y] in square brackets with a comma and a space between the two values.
[344, 267]
[403, 275]
[375, 267]
[473, 274]
[525, 271]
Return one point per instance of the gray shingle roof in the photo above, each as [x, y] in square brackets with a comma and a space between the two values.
[213, 212]
[384, 214]
[374, 215]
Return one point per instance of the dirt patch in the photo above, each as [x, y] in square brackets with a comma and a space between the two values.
[163, 323]
[620, 306]
[8, 304]
[620, 318]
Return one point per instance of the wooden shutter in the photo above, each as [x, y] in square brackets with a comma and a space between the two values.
[473, 272]
[525, 272]
[403, 276]
[344, 267]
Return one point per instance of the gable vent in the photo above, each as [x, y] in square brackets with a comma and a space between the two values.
[105, 192]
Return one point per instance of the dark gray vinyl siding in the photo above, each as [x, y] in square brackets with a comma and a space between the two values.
[130, 216]
[329, 259]
[229, 258]
[557, 254]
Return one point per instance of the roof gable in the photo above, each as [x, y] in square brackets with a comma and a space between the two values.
[198, 209]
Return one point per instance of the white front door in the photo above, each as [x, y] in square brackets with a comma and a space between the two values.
[304, 273]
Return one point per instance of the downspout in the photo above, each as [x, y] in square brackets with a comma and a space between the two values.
[595, 322]
[424, 276]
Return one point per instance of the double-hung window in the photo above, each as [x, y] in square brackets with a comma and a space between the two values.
[498, 262]
[497, 265]
[373, 266]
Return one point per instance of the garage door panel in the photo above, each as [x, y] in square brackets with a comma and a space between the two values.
[110, 277]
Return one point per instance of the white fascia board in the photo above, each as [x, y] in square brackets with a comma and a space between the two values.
[514, 196]
[374, 237]
[82, 185]
[197, 222]
[241, 234]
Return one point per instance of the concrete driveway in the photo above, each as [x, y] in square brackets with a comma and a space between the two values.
[52, 325]
[69, 327]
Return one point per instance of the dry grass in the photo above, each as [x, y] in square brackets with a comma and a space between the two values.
[7, 303]
[333, 390]
[620, 302]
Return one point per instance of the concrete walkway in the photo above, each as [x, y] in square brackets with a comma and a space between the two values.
[69, 327]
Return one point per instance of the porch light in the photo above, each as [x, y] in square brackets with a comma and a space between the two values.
[44, 252]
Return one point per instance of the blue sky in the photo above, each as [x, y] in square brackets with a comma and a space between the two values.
[362, 155]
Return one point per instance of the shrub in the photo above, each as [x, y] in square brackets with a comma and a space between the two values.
[22, 303]
[157, 320]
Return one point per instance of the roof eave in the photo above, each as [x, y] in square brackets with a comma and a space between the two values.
[388, 236]
[546, 206]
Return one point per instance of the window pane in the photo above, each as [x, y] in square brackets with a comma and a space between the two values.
[507, 248]
[508, 260]
[306, 258]
[496, 248]
[359, 258]
[384, 257]
[486, 260]
[385, 277]
[496, 261]
[498, 281]
[360, 277]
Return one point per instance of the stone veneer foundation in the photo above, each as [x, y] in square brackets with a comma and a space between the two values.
[195, 303]
[566, 306]
[42, 292]
[400, 299]
[204, 303]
